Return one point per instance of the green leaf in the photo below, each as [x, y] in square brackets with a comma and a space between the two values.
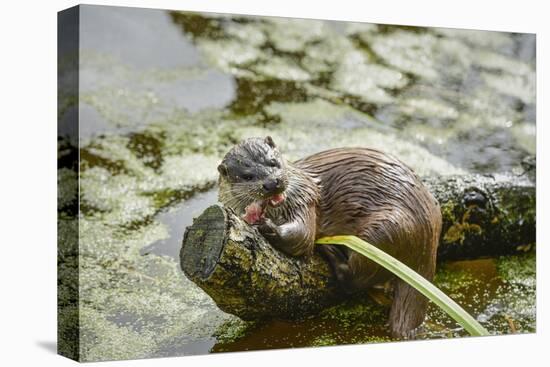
[414, 279]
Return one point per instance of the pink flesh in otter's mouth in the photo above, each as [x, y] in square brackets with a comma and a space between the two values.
[254, 212]
[276, 200]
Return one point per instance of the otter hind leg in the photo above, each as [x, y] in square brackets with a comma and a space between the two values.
[337, 258]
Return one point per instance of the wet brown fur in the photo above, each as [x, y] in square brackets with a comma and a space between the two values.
[362, 192]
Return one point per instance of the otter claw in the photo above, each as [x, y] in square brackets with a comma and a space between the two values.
[267, 228]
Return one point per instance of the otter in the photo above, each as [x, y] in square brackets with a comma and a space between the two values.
[343, 191]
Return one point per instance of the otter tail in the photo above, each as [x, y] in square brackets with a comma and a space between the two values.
[409, 306]
[408, 310]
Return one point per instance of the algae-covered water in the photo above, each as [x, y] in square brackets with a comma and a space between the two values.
[163, 95]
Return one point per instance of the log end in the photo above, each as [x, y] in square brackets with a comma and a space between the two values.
[203, 243]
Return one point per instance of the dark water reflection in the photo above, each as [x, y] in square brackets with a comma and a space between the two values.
[177, 219]
[143, 38]
[140, 59]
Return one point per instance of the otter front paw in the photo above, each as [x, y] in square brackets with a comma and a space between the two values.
[269, 230]
[284, 238]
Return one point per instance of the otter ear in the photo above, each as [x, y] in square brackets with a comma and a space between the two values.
[222, 169]
[269, 141]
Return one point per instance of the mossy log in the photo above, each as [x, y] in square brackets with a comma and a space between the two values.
[245, 276]
[485, 216]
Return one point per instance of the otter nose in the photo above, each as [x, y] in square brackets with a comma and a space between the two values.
[271, 184]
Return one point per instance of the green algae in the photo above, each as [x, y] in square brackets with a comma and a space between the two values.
[519, 270]
[355, 67]
[353, 322]
[483, 287]
[428, 108]
[331, 340]
[143, 302]
[368, 81]
[233, 330]
[281, 68]
[137, 306]
[67, 186]
[500, 293]
[407, 52]
[323, 341]
[482, 39]
[513, 85]
[287, 35]
[349, 314]
[519, 294]
[353, 129]
[525, 136]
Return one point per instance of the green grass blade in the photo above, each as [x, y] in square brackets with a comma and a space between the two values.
[414, 279]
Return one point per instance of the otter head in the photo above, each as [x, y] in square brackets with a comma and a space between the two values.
[253, 172]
